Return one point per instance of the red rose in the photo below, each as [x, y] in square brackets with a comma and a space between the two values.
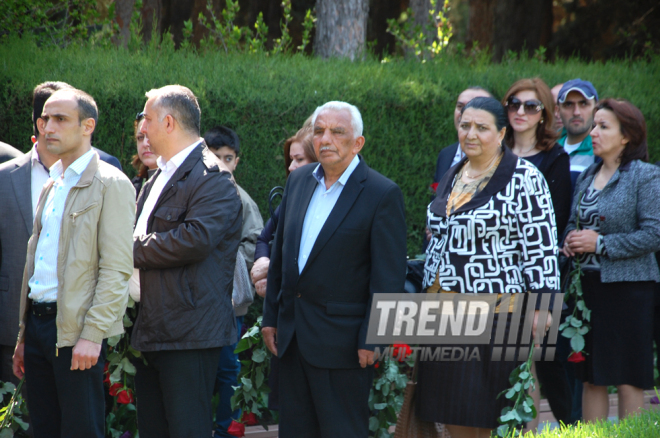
[106, 379]
[236, 429]
[249, 418]
[576, 357]
[434, 187]
[396, 351]
[377, 364]
[115, 388]
[125, 397]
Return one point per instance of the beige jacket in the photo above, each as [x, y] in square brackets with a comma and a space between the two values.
[95, 257]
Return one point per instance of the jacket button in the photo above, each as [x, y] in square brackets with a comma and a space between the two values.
[169, 216]
[298, 296]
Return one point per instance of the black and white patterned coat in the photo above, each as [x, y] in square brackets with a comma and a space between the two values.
[504, 240]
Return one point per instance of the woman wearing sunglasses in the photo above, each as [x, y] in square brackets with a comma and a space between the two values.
[530, 135]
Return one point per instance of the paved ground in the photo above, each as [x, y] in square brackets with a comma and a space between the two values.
[546, 417]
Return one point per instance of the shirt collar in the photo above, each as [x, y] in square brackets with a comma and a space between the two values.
[36, 160]
[176, 160]
[77, 167]
[319, 174]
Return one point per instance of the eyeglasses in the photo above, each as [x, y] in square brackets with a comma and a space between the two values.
[139, 116]
[531, 106]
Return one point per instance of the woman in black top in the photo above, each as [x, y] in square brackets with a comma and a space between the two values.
[145, 160]
[298, 151]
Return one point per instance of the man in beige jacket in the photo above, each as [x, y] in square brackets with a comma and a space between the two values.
[75, 285]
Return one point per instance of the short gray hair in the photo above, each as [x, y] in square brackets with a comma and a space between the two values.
[356, 117]
[180, 103]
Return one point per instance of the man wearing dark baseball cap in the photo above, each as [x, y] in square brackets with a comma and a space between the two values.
[576, 101]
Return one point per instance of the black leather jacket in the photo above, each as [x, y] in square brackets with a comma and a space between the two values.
[187, 259]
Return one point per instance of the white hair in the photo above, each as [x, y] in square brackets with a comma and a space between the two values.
[356, 117]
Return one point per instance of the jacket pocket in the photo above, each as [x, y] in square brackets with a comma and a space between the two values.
[166, 218]
[345, 309]
[83, 211]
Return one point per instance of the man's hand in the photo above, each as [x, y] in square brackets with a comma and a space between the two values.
[366, 357]
[260, 269]
[85, 355]
[260, 287]
[18, 360]
[269, 334]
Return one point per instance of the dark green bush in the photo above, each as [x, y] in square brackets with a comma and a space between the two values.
[406, 106]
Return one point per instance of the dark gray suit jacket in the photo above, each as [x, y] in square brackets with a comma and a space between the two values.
[15, 230]
[8, 152]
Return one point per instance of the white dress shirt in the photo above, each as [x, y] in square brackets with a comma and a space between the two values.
[167, 169]
[43, 284]
[39, 174]
[320, 207]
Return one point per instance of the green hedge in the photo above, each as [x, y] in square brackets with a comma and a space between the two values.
[406, 106]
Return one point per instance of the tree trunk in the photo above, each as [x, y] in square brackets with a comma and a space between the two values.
[341, 28]
[480, 23]
[521, 25]
[123, 13]
[152, 12]
[420, 10]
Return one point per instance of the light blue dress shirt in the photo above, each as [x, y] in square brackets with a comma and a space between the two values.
[43, 284]
[320, 206]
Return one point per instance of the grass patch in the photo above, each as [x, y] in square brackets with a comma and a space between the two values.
[645, 425]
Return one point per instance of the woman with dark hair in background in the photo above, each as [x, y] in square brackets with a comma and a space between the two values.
[298, 151]
[531, 135]
[144, 162]
[500, 195]
[616, 202]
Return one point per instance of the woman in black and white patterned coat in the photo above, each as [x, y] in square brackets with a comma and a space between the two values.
[494, 231]
[616, 201]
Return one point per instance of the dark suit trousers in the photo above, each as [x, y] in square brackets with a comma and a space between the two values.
[62, 403]
[320, 402]
[174, 392]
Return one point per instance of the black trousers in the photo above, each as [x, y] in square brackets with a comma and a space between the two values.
[320, 402]
[62, 403]
[174, 392]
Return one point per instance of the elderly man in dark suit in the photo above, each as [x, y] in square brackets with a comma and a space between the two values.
[341, 238]
[8, 152]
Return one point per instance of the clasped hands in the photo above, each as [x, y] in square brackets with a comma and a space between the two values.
[580, 241]
[366, 357]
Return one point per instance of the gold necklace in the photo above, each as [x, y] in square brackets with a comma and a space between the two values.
[492, 162]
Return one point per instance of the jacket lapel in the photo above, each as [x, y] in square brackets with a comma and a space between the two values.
[344, 204]
[21, 180]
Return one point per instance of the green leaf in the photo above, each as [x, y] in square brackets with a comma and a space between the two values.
[523, 375]
[513, 377]
[373, 424]
[503, 430]
[583, 330]
[511, 393]
[577, 342]
[580, 305]
[259, 378]
[247, 384]
[569, 332]
[114, 340]
[6, 433]
[386, 389]
[576, 322]
[517, 387]
[129, 368]
[380, 406]
[258, 356]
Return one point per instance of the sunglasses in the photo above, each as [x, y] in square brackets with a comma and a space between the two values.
[139, 116]
[531, 106]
